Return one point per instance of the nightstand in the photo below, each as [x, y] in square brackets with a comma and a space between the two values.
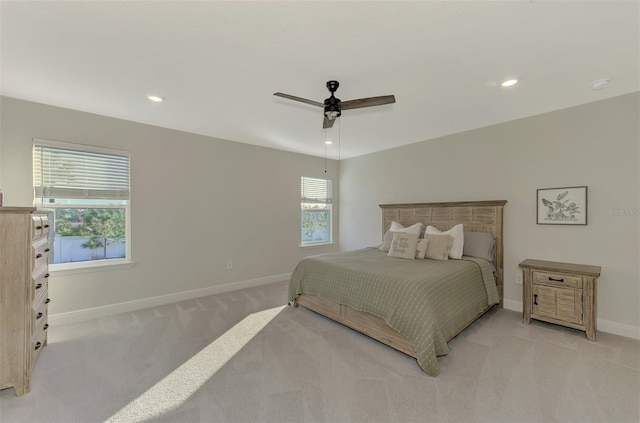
[560, 293]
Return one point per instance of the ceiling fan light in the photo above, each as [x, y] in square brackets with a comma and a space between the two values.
[332, 114]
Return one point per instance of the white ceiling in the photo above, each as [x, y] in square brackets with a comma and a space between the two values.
[219, 63]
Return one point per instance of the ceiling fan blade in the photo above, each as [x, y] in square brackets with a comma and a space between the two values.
[327, 123]
[303, 100]
[367, 102]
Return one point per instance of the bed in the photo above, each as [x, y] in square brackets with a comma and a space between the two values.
[415, 306]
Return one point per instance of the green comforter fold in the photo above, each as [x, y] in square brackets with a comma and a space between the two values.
[427, 301]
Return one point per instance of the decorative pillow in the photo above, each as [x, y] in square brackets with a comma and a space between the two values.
[457, 232]
[398, 228]
[403, 245]
[421, 248]
[479, 244]
[438, 246]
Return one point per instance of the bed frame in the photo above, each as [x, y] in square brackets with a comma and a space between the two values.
[477, 216]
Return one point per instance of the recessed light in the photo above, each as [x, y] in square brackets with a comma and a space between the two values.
[509, 82]
[600, 83]
[155, 98]
[328, 142]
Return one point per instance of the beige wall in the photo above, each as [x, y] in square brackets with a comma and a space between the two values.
[595, 145]
[196, 203]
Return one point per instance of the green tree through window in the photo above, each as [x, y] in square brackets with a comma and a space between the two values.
[103, 226]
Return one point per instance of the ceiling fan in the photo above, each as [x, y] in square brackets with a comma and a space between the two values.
[333, 106]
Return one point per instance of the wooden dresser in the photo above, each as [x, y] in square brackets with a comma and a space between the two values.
[561, 293]
[24, 255]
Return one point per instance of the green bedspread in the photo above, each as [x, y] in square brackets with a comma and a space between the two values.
[427, 301]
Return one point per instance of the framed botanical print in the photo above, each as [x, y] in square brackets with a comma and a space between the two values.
[562, 206]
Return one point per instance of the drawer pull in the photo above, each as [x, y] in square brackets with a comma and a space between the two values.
[46, 275]
[39, 315]
[47, 301]
[46, 250]
[46, 326]
[38, 255]
[38, 286]
[556, 280]
[39, 227]
[46, 226]
[38, 345]
[535, 299]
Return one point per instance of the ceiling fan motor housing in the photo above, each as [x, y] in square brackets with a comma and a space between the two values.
[332, 108]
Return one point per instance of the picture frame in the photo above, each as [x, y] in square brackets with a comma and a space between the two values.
[561, 206]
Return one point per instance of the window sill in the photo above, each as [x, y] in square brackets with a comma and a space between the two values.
[63, 269]
[316, 244]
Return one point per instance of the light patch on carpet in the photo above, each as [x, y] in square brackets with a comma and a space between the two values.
[176, 388]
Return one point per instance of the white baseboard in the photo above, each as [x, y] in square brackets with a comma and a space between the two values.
[619, 329]
[111, 309]
[603, 325]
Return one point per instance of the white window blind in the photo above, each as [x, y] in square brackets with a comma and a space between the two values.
[315, 190]
[79, 172]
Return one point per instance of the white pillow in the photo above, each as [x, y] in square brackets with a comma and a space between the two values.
[457, 232]
[398, 228]
[413, 229]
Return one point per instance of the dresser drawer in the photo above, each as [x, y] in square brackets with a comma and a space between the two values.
[39, 253]
[39, 281]
[36, 226]
[557, 279]
[45, 225]
[39, 313]
[37, 344]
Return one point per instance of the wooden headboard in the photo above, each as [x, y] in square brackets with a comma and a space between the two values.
[476, 216]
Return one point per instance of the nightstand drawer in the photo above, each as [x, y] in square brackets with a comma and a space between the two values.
[557, 279]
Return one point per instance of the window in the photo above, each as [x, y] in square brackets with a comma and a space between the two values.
[86, 189]
[315, 205]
